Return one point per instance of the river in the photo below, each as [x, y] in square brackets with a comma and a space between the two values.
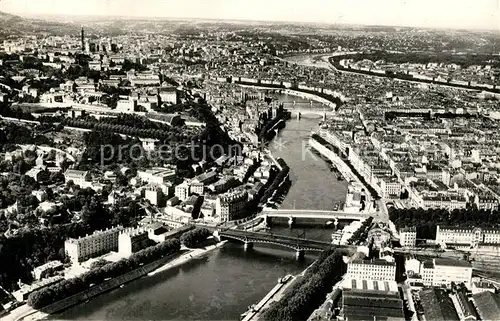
[311, 60]
[313, 185]
[221, 285]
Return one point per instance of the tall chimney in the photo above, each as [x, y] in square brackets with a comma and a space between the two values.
[83, 40]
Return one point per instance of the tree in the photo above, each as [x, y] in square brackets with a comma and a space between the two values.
[98, 264]
[56, 177]
[20, 167]
[99, 272]
[308, 292]
[194, 237]
[126, 213]
[95, 215]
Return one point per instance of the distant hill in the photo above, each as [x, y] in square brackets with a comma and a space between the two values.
[7, 24]
[14, 25]
[114, 26]
[7, 17]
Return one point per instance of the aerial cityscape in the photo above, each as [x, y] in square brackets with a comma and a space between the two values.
[235, 160]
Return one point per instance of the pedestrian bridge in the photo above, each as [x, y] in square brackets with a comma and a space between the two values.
[299, 245]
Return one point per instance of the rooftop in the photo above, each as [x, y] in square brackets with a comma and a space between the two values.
[437, 305]
[48, 265]
[408, 229]
[205, 176]
[451, 262]
[160, 171]
[484, 285]
[96, 233]
[488, 305]
[370, 285]
[74, 172]
[39, 284]
[373, 262]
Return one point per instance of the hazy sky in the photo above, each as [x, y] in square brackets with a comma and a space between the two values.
[478, 14]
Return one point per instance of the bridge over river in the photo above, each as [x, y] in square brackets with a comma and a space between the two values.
[291, 214]
[227, 280]
[294, 110]
[299, 245]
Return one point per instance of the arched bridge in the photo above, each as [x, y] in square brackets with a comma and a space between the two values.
[249, 238]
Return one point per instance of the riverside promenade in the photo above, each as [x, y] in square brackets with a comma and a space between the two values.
[335, 159]
[27, 313]
[186, 257]
[276, 293]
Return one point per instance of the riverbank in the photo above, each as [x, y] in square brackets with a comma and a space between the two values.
[272, 126]
[333, 103]
[186, 257]
[335, 63]
[223, 283]
[322, 145]
[275, 295]
[309, 60]
[27, 313]
[334, 159]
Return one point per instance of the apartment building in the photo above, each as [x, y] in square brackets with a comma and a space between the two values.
[196, 188]
[441, 199]
[132, 240]
[335, 139]
[408, 236]
[435, 173]
[231, 205]
[95, 244]
[486, 201]
[464, 307]
[126, 106]
[145, 80]
[390, 187]
[182, 191]
[206, 178]
[154, 194]
[168, 95]
[377, 270]
[80, 178]
[223, 184]
[157, 175]
[469, 237]
[439, 272]
[373, 168]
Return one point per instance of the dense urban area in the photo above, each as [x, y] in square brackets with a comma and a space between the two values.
[130, 147]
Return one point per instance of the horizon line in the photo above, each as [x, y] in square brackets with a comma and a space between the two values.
[118, 17]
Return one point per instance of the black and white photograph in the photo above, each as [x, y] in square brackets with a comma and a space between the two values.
[250, 160]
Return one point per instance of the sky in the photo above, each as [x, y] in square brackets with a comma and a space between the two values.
[466, 14]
